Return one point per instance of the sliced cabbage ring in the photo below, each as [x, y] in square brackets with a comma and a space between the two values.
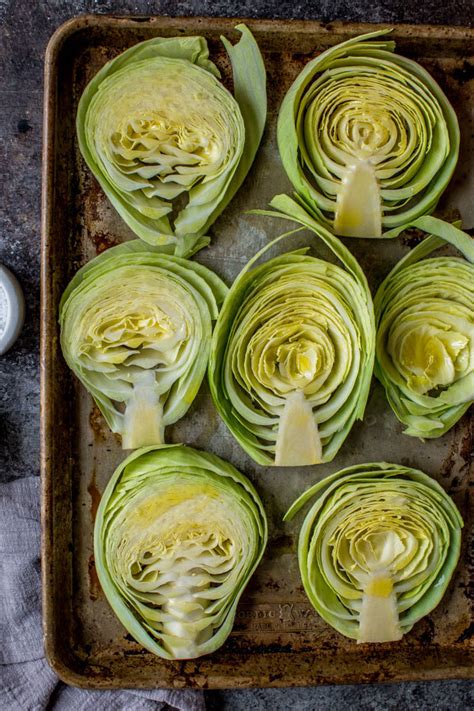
[367, 138]
[169, 145]
[136, 328]
[293, 351]
[178, 535]
[377, 549]
[425, 332]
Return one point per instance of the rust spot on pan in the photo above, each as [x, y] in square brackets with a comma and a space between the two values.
[95, 591]
[467, 634]
[461, 449]
[100, 428]
[284, 543]
[98, 424]
[95, 495]
[97, 209]
[465, 73]
[103, 241]
[411, 237]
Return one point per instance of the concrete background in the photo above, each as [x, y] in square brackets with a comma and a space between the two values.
[25, 27]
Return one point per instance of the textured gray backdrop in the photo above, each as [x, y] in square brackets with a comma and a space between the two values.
[25, 27]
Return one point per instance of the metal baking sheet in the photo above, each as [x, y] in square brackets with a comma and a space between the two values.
[278, 640]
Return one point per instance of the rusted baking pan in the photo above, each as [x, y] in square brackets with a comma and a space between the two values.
[278, 639]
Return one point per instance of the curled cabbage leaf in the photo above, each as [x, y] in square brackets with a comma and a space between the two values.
[178, 535]
[367, 138]
[377, 549]
[169, 145]
[425, 332]
[293, 351]
[136, 327]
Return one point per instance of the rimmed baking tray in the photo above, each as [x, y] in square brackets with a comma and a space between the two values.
[278, 640]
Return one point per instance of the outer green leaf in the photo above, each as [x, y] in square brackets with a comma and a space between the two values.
[136, 326]
[177, 537]
[293, 351]
[169, 145]
[425, 332]
[367, 138]
[377, 549]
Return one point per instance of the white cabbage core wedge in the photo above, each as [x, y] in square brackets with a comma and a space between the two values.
[358, 209]
[378, 620]
[298, 440]
[143, 416]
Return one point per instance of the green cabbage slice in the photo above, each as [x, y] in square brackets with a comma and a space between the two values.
[367, 138]
[377, 548]
[177, 537]
[136, 327]
[169, 145]
[293, 350]
[425, 332]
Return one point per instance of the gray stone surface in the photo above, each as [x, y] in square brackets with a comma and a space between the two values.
[435, 695]
[25, 29]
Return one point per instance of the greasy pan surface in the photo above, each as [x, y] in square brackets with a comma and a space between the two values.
[278, 639]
